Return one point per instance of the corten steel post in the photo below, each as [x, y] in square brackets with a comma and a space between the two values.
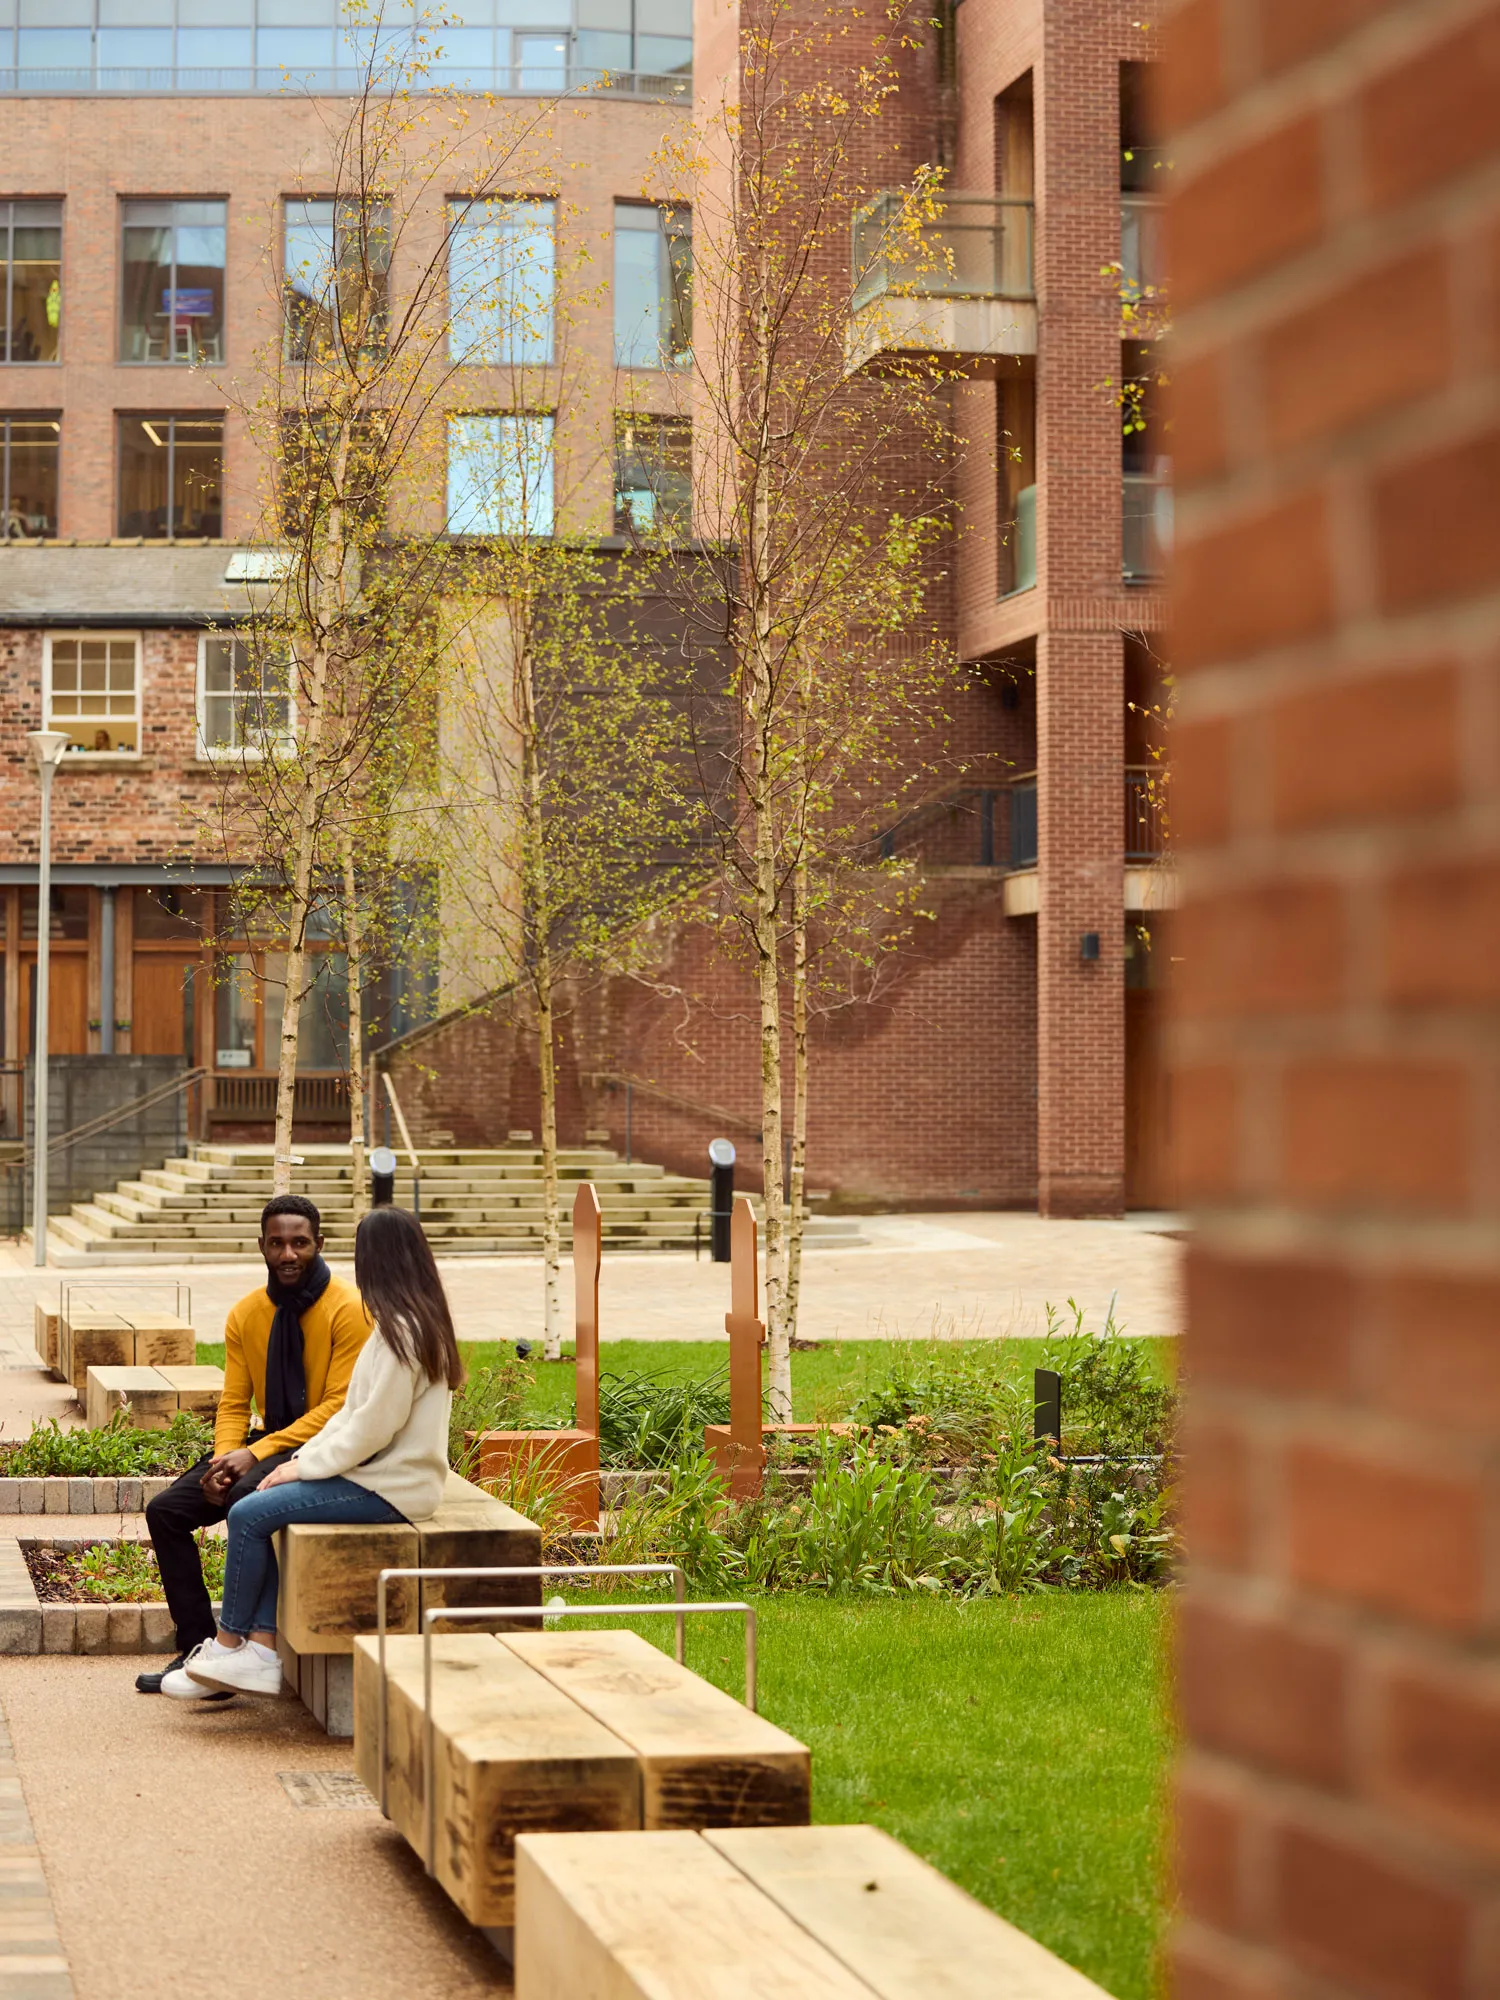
[47, 748]
[747, 1335]
[588, 1240]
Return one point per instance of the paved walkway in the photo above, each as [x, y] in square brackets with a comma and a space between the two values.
[971, 1275]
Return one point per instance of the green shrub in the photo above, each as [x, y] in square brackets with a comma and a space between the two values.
[118, 1451]
[490, 1399]
[651, 1420]
[126, 1572]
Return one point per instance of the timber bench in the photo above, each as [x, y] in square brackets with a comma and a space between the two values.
[151, 1397]
[330, 1580]
[578, 1731]
[73, 1339]
[763, 1913]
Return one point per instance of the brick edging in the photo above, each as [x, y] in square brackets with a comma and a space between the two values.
[80, 1496]
[29, 1626]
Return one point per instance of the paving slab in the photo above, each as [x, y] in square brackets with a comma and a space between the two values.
[175, 1852]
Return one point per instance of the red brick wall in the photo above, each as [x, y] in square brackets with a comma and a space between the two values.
[1335, 230]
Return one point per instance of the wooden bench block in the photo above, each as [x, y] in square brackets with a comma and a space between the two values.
[197, 1388]
[706, 1760]
[328, 1583]
[569, 1459]
[93, 1340]
[473, 1530]
[162, 1340]
[48, 1335]
[512, 1754]
[899, 1926]
[658, 1916]
[150, 1400]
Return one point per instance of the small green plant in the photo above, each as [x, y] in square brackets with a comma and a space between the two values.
[490, 1399]
[126, 1572]
[117, 1451]
[649, 1420]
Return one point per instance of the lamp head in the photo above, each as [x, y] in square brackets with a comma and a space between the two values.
[48, 747]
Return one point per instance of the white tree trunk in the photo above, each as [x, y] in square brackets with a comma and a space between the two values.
[797, 1193]
[356, 1064]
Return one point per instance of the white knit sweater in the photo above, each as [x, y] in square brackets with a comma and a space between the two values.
[391, 1436]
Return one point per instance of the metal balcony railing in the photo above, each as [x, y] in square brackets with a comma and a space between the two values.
[974, 246]
[1145, 799]
[1146, 525]
[1022, 847]
[521, 80]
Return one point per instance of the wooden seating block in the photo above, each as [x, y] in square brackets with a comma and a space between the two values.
[658, 1916]
[48, 1336]
[328, 1583]
[197, 1388]
[162, 1340]
[899, 1926]
[568, 1459]
[473, 1530]
[150, 1401]
[93, 1340]
[511, 1754]
[706, 1760]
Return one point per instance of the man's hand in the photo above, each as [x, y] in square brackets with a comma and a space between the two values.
[225, 1470]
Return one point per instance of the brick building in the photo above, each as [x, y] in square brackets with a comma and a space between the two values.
[1338, 764]
[1011, 1061]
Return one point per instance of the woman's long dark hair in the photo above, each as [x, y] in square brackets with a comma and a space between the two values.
[399, 1283]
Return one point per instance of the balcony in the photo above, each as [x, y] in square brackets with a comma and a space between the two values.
[948, 280]
[1148, 885]
[513, 80]
[1142, 262]
[1146, 525]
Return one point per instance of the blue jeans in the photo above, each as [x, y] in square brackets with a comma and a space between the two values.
[250, 1574]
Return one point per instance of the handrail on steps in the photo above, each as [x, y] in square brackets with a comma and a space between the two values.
[145, 1102]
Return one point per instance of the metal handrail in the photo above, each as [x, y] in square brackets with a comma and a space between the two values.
[680, 1103]
[674, 1570]
[158, 1094]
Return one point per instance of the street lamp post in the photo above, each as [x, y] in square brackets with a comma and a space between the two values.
[47, 749]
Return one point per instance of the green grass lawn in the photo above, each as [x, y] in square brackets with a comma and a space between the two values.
[1018, 1744]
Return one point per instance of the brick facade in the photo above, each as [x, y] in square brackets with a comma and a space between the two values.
[1333, 234]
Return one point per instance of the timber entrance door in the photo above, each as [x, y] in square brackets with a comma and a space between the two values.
[164, 1019]
[67, 1002]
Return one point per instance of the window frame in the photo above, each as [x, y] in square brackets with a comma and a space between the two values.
[50, 640]
[172, 418]
[8, 209]
[222, 753]
[7, 418]
[299, 341]
[174, 202]
[545, 416]
[462, 211]
[674, 221]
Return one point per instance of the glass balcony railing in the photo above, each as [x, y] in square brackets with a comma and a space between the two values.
[1146, 525]
[1023, 542]
[1142, 262]
[1021, 848]
[960, 246]
[519, 80]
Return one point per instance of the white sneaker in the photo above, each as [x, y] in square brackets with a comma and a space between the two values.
[176, 1682]
[238, 1669]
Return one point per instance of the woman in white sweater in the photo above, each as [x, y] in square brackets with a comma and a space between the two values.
[382, 1457]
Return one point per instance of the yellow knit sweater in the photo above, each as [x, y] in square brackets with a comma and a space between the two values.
[333, 1332]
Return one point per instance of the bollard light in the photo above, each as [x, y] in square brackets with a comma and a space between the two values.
[721, 1196]
[382, 1177]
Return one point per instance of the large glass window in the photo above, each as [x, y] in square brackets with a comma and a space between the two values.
[172, 298]
[337, 272]
[171, 476]
[93, 692]
[312, 474]
[653, 286]
[31, 245]
[501, 274]
[28, 474]
[244, 697]
[653, 476]
[500, 475]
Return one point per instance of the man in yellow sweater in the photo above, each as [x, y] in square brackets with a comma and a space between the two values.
[289, 1348]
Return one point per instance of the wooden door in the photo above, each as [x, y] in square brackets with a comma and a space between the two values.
[67, 1002]
[162, 1007]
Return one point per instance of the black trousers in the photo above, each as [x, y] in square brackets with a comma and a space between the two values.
[173, 1518]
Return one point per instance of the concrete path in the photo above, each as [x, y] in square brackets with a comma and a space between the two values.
[974, 1275]
[178, 1862]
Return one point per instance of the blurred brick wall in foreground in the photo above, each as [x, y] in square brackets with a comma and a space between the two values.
[1335, 242]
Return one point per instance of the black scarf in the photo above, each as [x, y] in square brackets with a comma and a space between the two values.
[286, 1373]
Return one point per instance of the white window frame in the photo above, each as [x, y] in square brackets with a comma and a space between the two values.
[51, 640]
[219, 753]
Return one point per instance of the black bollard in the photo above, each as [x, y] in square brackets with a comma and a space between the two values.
[721, 1196]
[382, 1177]
[1046, 1389]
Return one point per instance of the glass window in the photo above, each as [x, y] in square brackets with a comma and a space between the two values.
[69, 912]
[323, 1017]
[462, 55]
[599, 49]
[337, 264]
[169, 912]
[172, 298]
[653, 476]
[501, 273]
[500, 475]
[663, 55]
[127, 56]
[28, 475]
[302, 52]
[653, 286]
[307, 475]
[214, 48]
[93, 693]
[31, 245]
[56, 49]
[234, 1011]
[244, 696]
[171, 476]
[540, 62]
